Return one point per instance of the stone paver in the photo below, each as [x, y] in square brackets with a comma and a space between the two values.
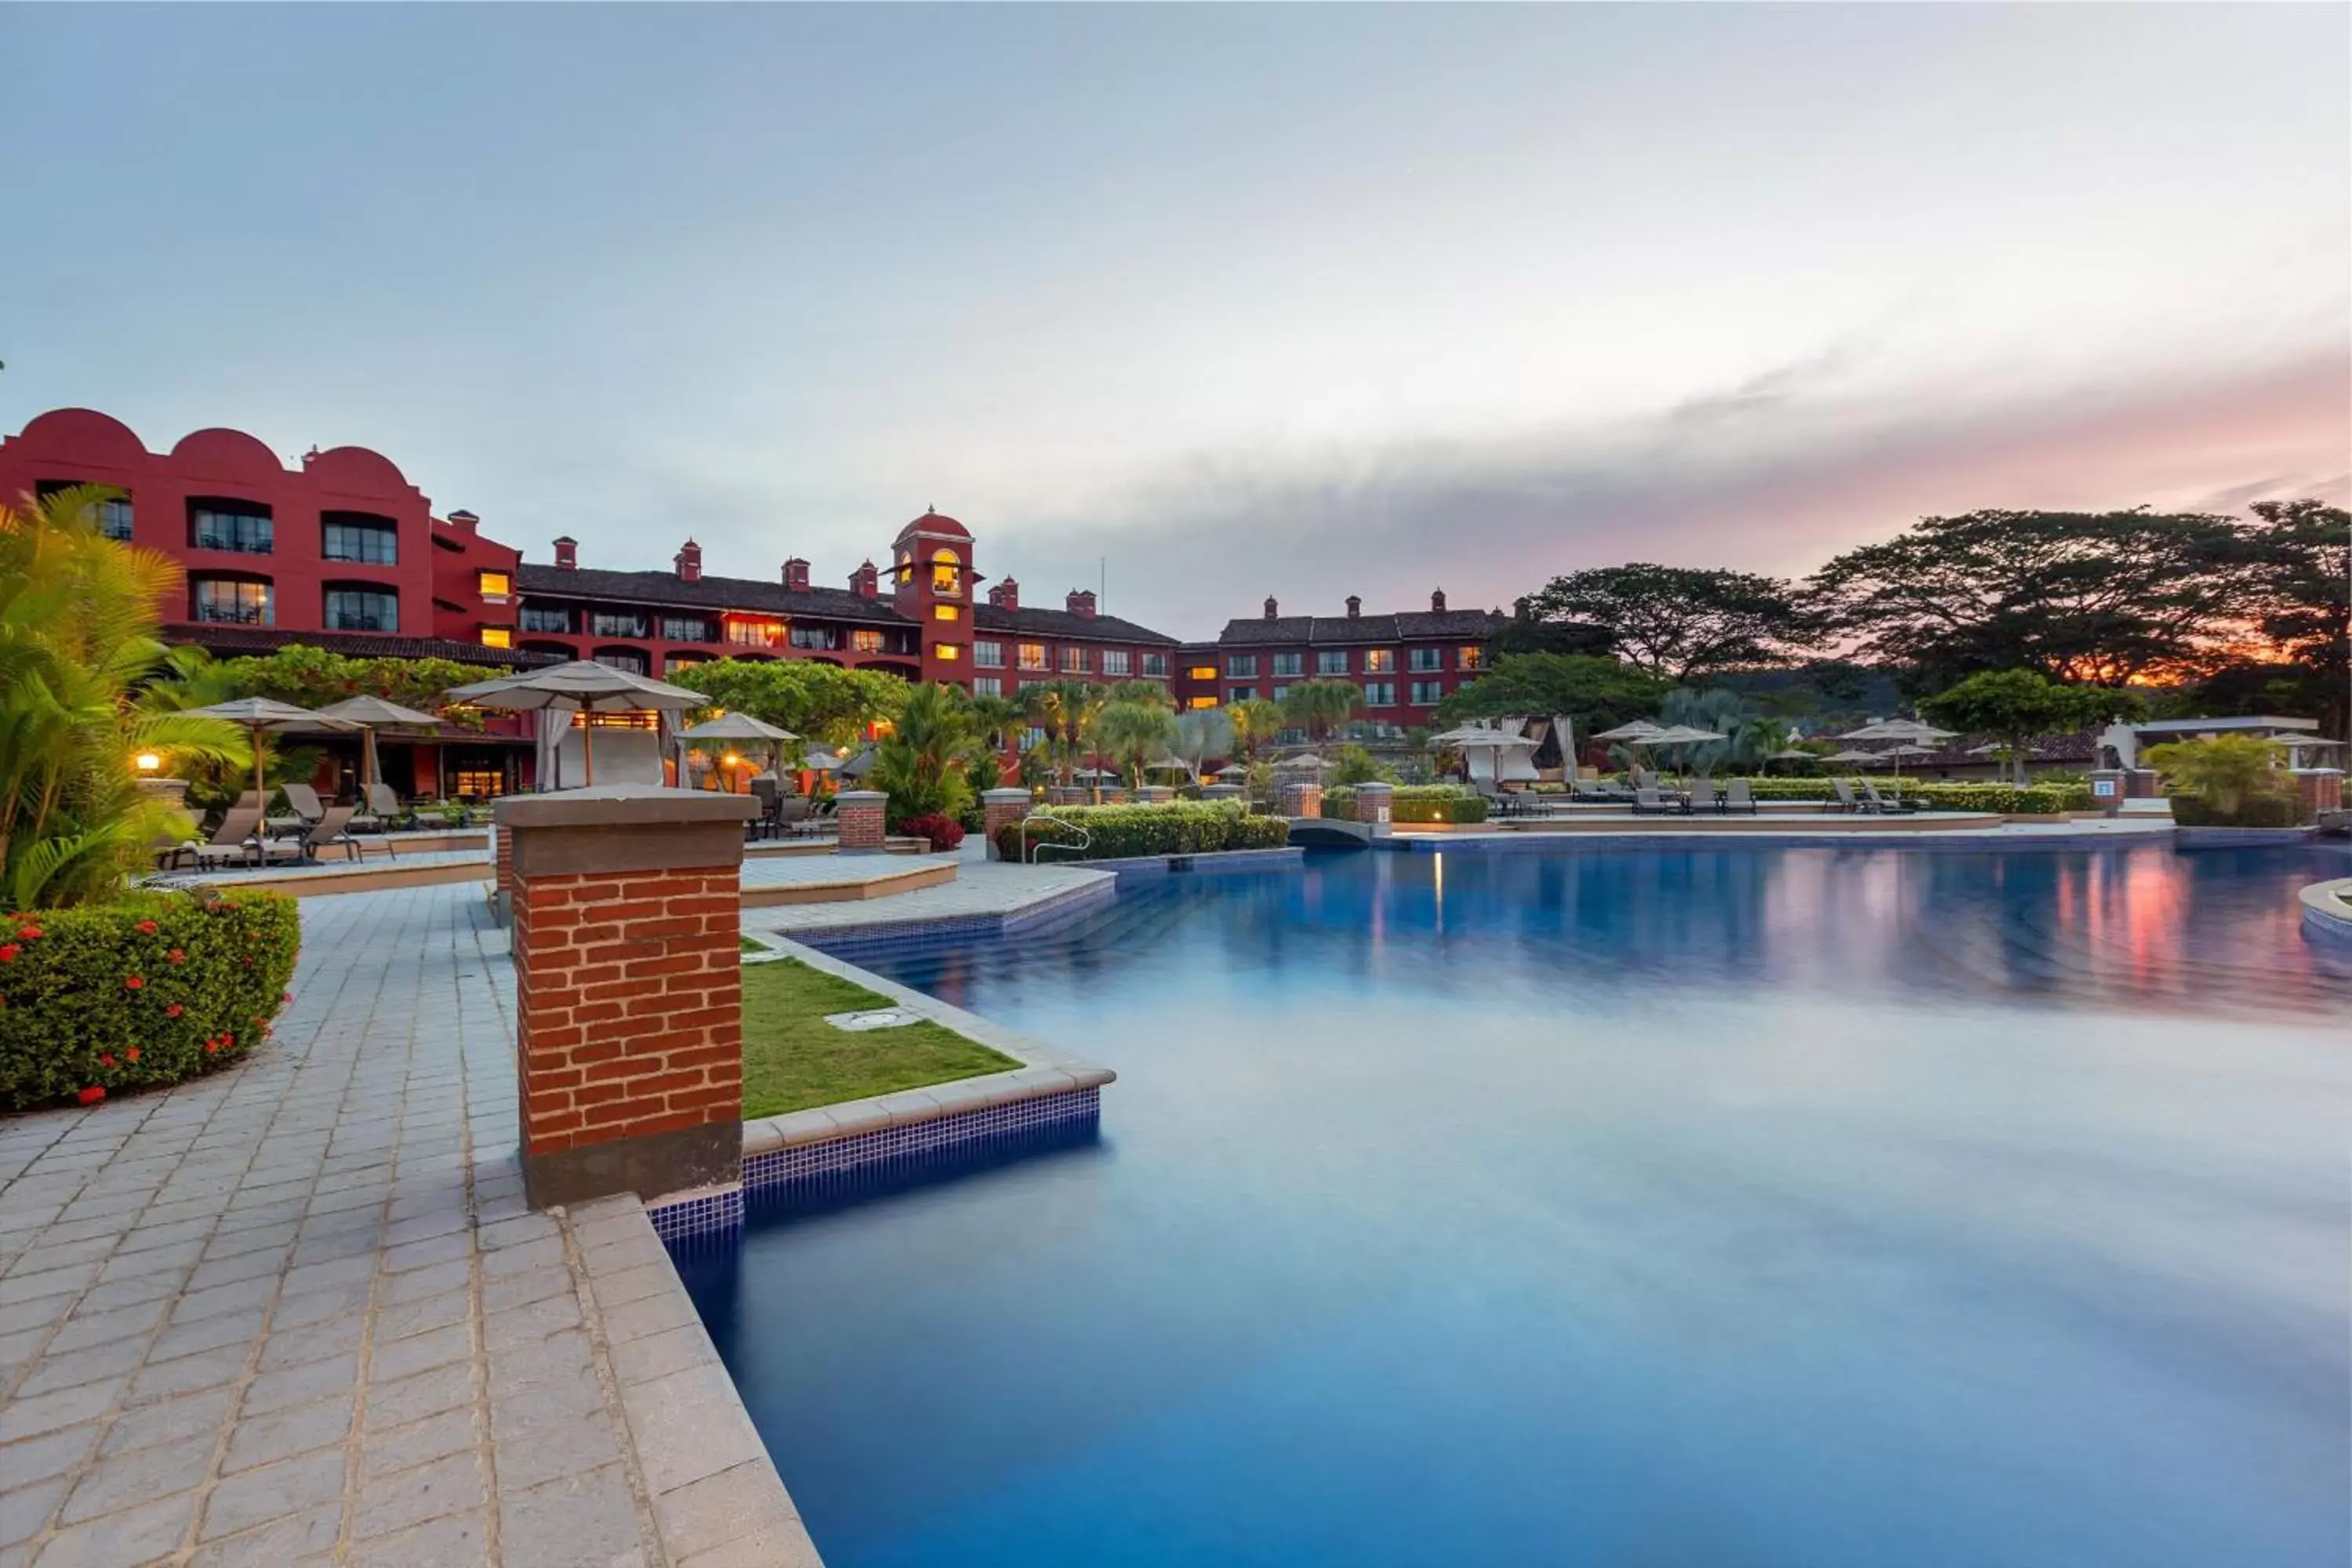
[298, 1313]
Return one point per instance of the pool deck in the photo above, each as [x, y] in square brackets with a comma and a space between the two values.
[298, 1312]
[984, 898]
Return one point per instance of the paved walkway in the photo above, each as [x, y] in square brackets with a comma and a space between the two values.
[298, 1312]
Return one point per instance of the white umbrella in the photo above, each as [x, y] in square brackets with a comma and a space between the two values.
[267, 714]
[368, 713]
[741, 727]
[1305, 761]
[1898, 730]
[820, 762]
[580, 684]
[1684, 736]
[1640, 730]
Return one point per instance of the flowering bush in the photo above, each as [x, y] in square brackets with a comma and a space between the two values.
[144, 991]
[940, 832]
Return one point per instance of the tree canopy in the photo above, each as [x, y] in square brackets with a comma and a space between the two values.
[2019, 707]
[1679, 621]
[1598, 693]
[821, 701]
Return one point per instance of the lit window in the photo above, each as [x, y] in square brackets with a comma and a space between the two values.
[497, 637]
[1202, 702]
[1203, 672]
[1333, 662]
[496, 586]
[1380, 661]
[231, 600]
[1242, 664]
[1117, 662]
[864, 641]
[949, 651]
[988, 655]
[947, 612]
[947, 573]
[747, 631]
[1031, 655]
[1473, 658]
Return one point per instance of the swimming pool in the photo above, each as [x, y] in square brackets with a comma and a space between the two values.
[1707, 1206]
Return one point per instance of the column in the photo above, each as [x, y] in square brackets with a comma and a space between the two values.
[1300, 798]
[1001, 808]
[628, 989]
[1373, 803]
[858, 813]
[1156, 794]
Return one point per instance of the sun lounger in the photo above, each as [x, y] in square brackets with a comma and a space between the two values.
[1845, 800]
[383, 811]
[1879, 803]
[332, 827]
[232, 841]
[1648, 802]
[1737, 797]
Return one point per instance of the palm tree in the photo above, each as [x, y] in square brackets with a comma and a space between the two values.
[920, 765]
[1320, 707]
[78, 639]
[1134, 733]
[2221, 771]
[1255, 723]
[1065, 709]
[994, 718]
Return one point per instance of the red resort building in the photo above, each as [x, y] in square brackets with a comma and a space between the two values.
[1405, 662]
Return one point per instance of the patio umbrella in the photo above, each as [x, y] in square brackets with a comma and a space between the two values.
[1789, 754]
[1910, 730]
[1232, 772]
[1305, 761]
[1640, 730]
[742, 727]
[579, 684]
[1855, 754]
[1683, 737]
[820, 760]
[368, 713]
[261, 715]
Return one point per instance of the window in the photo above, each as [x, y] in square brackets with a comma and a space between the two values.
[1242, 665]
[742, 631]
[1031, 655]
[682, 628]
[678, 662]
[947, 573]
[625, 658]
[1117, 662]
[1428, 693]
[987, 684]
[1242, 694]
[214, 525]
[232, 600]
[947, 612]
[1290, 664]
[1155, 666]
[1203, 672]
[1471, 657]
[988, 655]
[497, 637]
[617, 623]
[1380, 694]
[1422, 659]
[1380, 661]
[113, 516]
[498, 587]
[864, 641]
[357, 537]
[946, 651]
[1333, 661]
[1201, 703]
[1074, 658]
[478, 784]
[363, 610]
[1280, 691]
[814, 637]
[546, 618]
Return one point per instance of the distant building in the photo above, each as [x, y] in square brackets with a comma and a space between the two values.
[1405, 662]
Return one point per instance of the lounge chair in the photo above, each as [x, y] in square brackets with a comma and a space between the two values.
[1845, 800]
[306, 808]
[1606, 792]
[1648, 802]
[1737, 797]
[332, 827]
[234, 840]
[383, 811]
[1897, 806]
[795, 815]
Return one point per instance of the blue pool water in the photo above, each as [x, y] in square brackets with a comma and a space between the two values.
[1711, 1208]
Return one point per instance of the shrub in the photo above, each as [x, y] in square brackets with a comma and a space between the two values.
[2039, 799]
[1115, 832]
[1437, 803]
[95, 997]
[940, 832]
[2267, 810]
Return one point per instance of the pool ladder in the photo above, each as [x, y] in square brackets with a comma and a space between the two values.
[1029, 851]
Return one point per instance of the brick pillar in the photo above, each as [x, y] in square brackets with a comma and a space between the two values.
[2322, 789]
[628, 987]
[1002, 808]
[1156, 794]
[502, 853]
[1302, 799]
[1373, 803]
[859, 815]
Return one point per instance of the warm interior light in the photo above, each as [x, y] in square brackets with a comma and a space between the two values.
[733, 761]
[148, 761]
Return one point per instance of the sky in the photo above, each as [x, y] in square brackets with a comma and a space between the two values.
[1206, 303]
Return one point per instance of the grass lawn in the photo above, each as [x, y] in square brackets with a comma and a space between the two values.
[745, 944]
[793, 1059]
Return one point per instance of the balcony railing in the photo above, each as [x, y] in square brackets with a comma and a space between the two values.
[234, 614]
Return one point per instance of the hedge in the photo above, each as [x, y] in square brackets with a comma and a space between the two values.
[2254, 811]
[2033, 800]
[1117, 831]
[1412, 802]
[145, 990]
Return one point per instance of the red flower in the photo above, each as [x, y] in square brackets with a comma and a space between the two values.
[133, 1053]
[131, 983]
[30, 933]
[174, 1011]
[248, 961]
[176, 956]
[210, 1046]
[7, 952]
[286, 995]
[228, 1039]
[90, 1096]
[106, 1061]
[147, 927]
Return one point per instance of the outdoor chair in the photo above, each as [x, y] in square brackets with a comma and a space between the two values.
[1737, 797]
[383, 811]
[1648, 802]
[1605, 793]
[306, 808]
[232, 840]
[332, 827]
[1845, 801]
[1897, 806]
[793, 814]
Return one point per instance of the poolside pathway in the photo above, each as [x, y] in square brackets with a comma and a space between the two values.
[298, 1313]
[982, 887]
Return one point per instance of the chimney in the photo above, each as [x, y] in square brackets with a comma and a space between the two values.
[689, 562]
[796, 575]
[1523, 608]
[1437, 602]
[1355, 606]
[1272, 610]
[567, 554]
[1006, 594]
[1082, 602]
[463, 522]
[865, 582]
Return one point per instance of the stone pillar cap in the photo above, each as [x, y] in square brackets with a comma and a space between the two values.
[612, 805]
[1371, 785]
[1010, 792]
[859, 794]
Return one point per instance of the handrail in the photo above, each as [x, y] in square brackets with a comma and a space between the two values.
[1029, 850]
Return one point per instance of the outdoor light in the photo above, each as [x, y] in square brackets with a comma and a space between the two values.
[733, 761]
[147, 762]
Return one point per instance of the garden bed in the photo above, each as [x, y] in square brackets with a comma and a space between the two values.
[793, 1059]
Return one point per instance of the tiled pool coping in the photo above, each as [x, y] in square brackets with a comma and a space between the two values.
[2326, 911]
[806, 1151]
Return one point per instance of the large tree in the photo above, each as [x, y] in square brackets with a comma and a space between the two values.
[2302, 569]
[1597, 693]
[2101, 597]
[1679, 621]
[2019, 707]
[822, 701]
